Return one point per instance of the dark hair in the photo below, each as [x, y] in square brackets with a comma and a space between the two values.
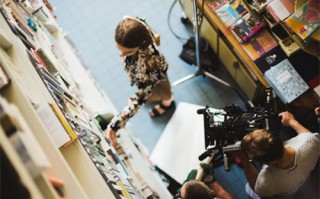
[132, 33]
[263, 145]
[196, 189]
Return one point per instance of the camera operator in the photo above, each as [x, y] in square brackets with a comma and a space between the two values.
[286, 166]
[194, 189]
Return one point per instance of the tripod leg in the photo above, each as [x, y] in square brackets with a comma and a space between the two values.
[246, 102]
[179, 81]
[201, 71]
[217, 79]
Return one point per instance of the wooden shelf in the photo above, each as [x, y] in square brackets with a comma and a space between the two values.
[28, 91]
[232, 54]
[5, 43]
[23, 173]
[234, 43]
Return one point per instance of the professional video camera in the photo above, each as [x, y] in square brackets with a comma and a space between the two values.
[224, 129]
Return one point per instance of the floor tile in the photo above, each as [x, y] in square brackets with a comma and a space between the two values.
[91, 26]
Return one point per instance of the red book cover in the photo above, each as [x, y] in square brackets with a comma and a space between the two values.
[314, 82]
[40, 60]
[259, 44]
[266, 40]
[313, 11]
[281, 9]
[215, 4]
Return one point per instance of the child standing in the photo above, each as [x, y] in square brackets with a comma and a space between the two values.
[147, 70]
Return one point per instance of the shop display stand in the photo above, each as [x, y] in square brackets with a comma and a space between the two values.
[247, 72]
[200, 70]
[49, 85]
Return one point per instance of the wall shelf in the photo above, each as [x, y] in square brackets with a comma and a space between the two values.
[70, 87]
[248, 73]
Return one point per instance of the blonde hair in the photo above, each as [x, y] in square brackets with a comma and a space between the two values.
[263, 145]
[196, 189]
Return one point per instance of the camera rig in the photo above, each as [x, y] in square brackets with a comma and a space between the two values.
[224, 129]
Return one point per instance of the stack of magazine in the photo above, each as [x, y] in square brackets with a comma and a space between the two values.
[235, 15]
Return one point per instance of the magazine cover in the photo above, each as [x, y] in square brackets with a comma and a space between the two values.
[305, 20]
[227, 14]
[246, 27]
[238, 6]
[281, 9]
[259, 44]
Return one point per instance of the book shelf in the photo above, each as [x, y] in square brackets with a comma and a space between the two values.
[16, 162]
[251, 59]
[57, 99]
[23, 89]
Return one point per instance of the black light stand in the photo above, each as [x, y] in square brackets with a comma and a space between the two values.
[198, 65]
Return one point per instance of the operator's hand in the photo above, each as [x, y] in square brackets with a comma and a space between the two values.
[219, 191]
[287, 118]
[112, 137]
[317, 111]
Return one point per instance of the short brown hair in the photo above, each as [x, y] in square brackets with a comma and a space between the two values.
[263, 145]
[196, 189]
[132, 33]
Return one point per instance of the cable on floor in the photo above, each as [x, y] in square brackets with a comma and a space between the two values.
[169, 16]
[169, 24]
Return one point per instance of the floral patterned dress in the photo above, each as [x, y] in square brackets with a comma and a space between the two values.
[145, 69]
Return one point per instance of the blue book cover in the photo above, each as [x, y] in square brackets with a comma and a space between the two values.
[238, 6]
[227, 14]
[286, 81]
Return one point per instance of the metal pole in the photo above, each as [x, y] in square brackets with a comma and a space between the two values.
[198, 64]
[196, 32]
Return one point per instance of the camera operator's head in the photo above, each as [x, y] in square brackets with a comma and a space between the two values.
[196, 189]
[263, 146]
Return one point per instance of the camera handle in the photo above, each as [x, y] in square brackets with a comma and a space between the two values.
[226, 150]
[211, 150]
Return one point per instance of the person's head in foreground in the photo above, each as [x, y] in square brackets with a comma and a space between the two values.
[196, 189]
[263, 146]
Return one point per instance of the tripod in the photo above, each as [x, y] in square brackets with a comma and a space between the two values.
[200, 70]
